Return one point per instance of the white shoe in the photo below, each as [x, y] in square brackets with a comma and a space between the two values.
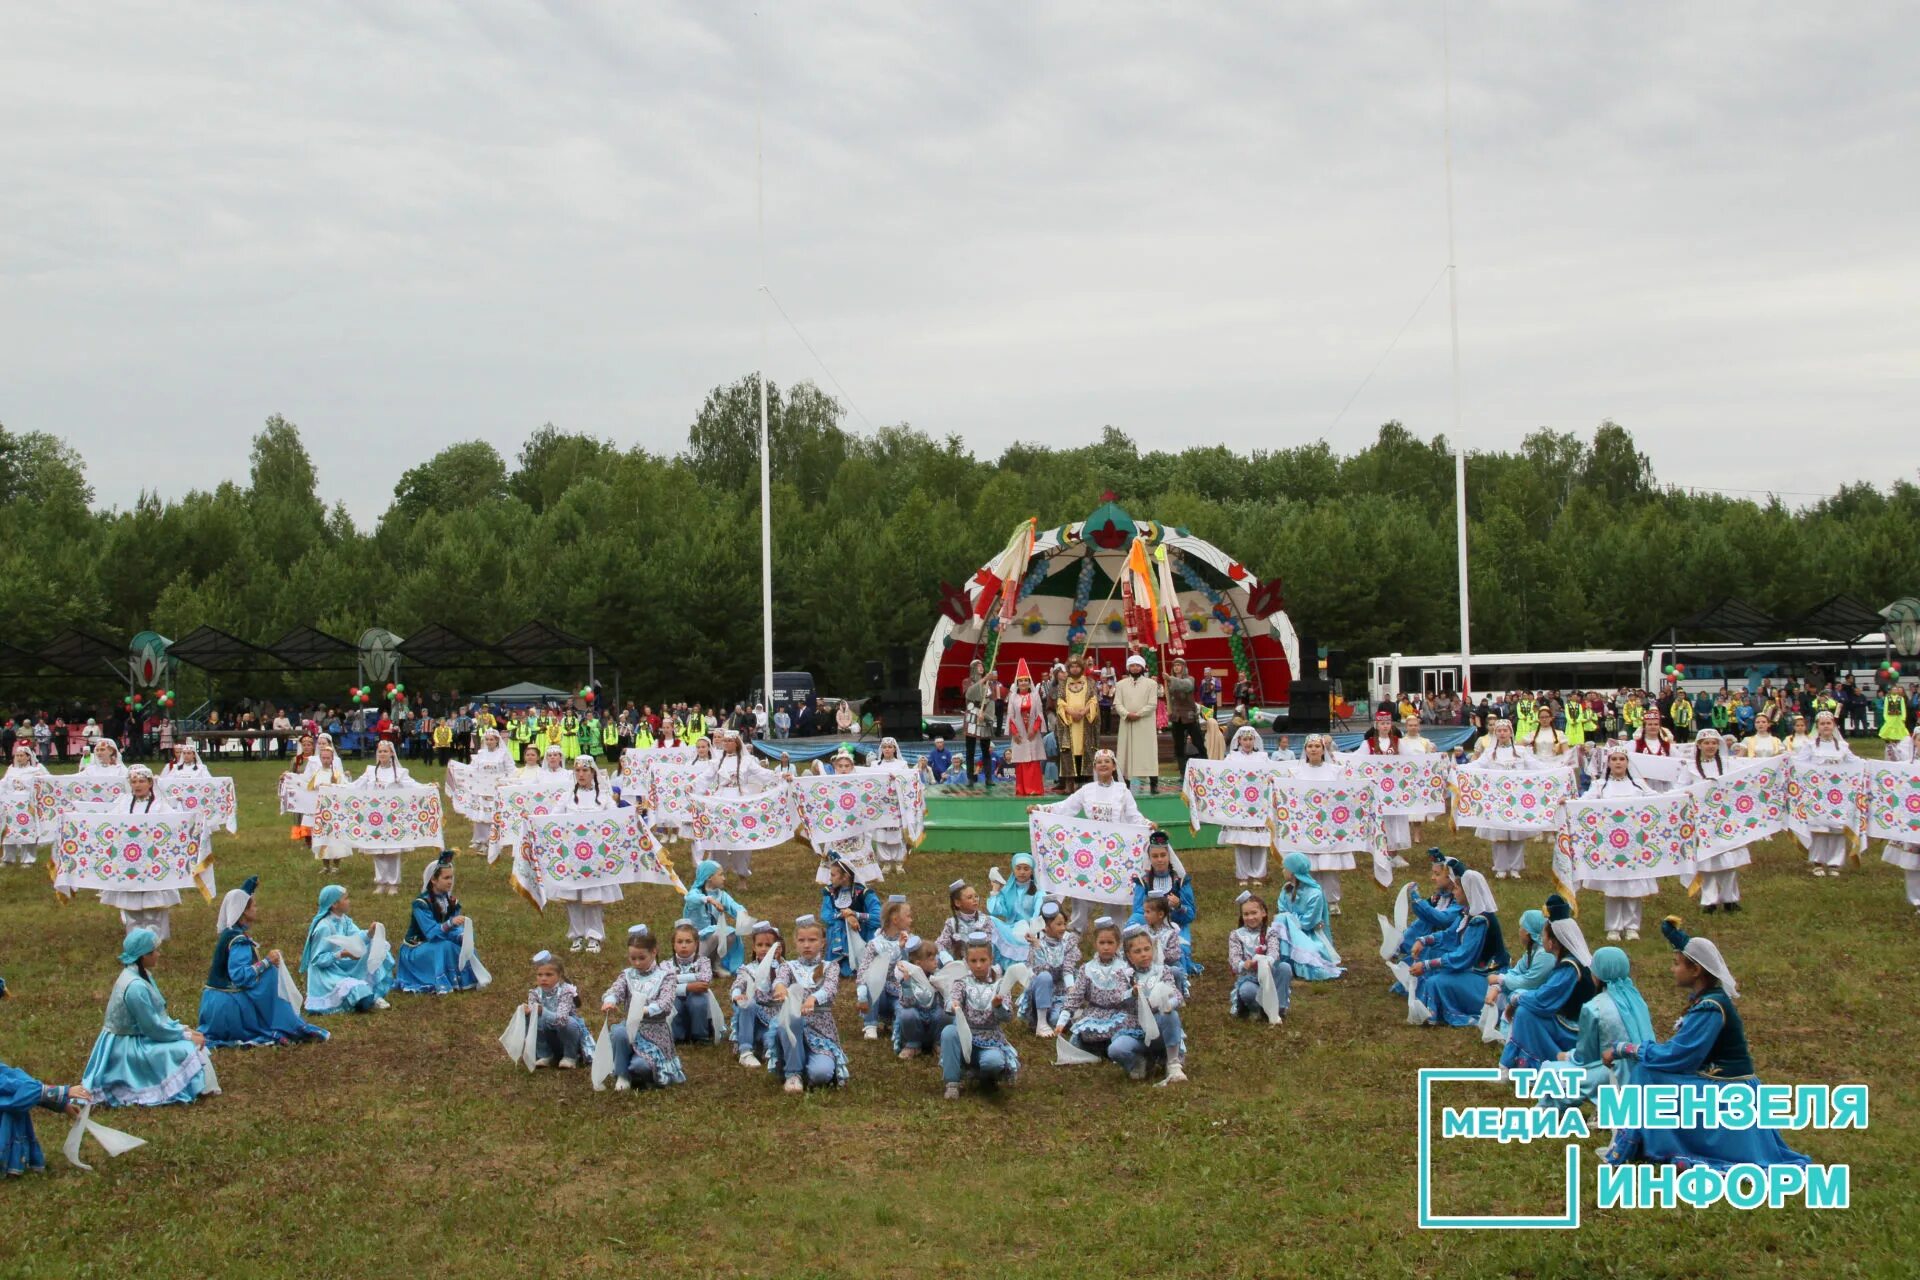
[1613, 935]
[870, 1033]
[568, 1064]
[1175, 1075]
[1137, 1072]
[953, 1093]
[1044, 1031]
[593, 946]
[380, 1003]
[1334, 910]
[577, 945]
[1633, 935]
[622, 1085]
[794, 1085]
[909, 1054]
[749, 1061]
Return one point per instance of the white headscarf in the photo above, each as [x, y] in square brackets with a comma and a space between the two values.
[1479, 894]
[1245, 731]
[1703, 953]
[232, 906]
[1570, 937]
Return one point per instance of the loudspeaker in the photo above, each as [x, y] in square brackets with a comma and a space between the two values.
[876, 676]
[1308, 709]
[900, 714]
[899, 667]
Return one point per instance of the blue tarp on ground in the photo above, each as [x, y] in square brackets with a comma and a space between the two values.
[804, 750]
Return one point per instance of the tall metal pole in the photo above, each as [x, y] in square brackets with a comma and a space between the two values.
[1453, 318]
[766, 472]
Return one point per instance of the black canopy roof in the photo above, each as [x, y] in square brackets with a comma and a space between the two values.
[80, 653]
[311, 649]
[1839, 617]
[15, 661]
[435, 645]
[538, 640]
[212, 649]
[1727, 619]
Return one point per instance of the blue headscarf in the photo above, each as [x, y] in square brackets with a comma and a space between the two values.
[1612, 969]
[328, 897]
[138, 943]
[1307, 902]
[704, 872]
[1534, 922]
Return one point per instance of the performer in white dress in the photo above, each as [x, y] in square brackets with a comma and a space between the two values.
[1384, 739]
[1827, 846]
[386, 773]
[734, 772]
[1412, 743]
[1498, 751]
[186, 763]
[326, 769]
[1250, 845]
[1720, 873]
[890, 843]
[105, 761]
[586, 908]
[1616, 782]
[1761, 744]
[1653, 740]
[495, 757]
[1316, 763]
[1906, 856]
[702, 761]
[144, 908]
[21, 775]
[1106, 799]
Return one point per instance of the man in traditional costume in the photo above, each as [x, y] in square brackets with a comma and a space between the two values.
[1078, 707]
[1027, 726]
[1135, 697]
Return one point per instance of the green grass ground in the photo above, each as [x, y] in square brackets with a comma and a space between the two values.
[409, 1145]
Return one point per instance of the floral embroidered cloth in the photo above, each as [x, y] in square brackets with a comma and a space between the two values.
[141, 852]
[1085, 859]
[386, 821]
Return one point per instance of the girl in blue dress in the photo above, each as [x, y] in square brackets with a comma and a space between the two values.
[1018, 900]
[847, 905]
[976, 997]
[1300, 925]
[1546, 1019]
[1454, 975]
[20, 1093]
[693, 1021]
[886, 948]
[808, 1048]
[918, 1017]
[1167, 879]
[335, 960]
[430, 957]
[560, 1032]
[1054, 957]
[1246, 946]
[643, 1056]
[1616, 1013]
[1529, 969]
[248, 1001]
[708, 905]
[143, 1058]
[1708, 1050]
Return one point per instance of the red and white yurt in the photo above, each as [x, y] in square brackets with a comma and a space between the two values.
[1092, 587]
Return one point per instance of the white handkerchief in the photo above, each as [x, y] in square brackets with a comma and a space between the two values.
[1490, 1025]
[963, 1033]
[112, 1141]
[1068, 1054]
[1389, 938]
[377, 952]
[1402, 906]
[1149, 1025]
[602, 1058]
[468, 958]
[288, 991]
[714, 1017]
[1269, 993]
[1018, 975]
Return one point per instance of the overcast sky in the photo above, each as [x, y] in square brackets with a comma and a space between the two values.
[405, 225]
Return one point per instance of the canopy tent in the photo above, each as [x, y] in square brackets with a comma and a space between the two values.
[1839, 618]
[1068, 596]
[435, 645]
[212, 649]
[311, 649]
[538, 642]
[526, 692]
[1731, 620]
[78, 653]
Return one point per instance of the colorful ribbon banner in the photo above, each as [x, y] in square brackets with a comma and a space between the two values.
[745, 822]
[68, 793]
[137, 852]
[1228, 793]
[1081, 858]
[212, 797]
[1510, 799]
[1413, 786]
[1749, 803]
[834, 806]
[586, 850]
[1656, 835]
[471, 788]
[387, 821]
[1893, 801]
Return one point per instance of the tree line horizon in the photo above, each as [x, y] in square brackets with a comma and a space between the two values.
[1573, 544]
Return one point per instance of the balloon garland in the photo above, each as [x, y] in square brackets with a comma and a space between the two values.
[1077, 620]
[586, 694]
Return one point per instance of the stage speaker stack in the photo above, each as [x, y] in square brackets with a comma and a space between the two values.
[899, 714]
[1308, 706]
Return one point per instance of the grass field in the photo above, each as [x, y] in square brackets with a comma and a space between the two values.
[409, 1145]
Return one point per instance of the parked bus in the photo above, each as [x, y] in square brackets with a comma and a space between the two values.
[1432, 673]
[1712, 667]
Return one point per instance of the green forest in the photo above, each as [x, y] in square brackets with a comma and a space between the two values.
[1574, 542]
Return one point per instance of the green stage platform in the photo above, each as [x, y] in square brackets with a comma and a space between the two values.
[995, 821]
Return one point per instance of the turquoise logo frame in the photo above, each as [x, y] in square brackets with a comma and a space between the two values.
[1567, 1220]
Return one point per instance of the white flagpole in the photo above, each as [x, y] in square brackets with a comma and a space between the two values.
[766, 472]
[1453, 317]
